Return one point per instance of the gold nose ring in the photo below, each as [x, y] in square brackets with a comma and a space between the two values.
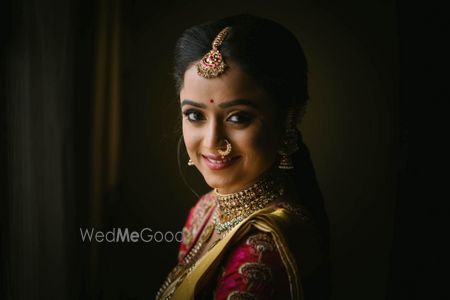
[227, 150]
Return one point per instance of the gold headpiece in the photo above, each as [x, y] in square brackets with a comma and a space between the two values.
[212, 64]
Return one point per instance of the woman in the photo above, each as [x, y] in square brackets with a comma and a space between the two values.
[262, 232]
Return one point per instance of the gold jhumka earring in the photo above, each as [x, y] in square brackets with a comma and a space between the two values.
[227, 150]
[290, 141]
[212, 63]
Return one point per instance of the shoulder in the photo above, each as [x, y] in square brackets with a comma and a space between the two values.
[292, 222]
[199, 211]
[308, 246]
[283, 248]
[197, 217]
[302, 236]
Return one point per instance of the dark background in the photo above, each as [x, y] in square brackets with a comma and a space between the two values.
[89, 127]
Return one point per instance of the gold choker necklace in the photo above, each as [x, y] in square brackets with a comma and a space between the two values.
[233, 208]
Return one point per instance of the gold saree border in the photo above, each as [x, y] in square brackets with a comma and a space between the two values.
[268, 220]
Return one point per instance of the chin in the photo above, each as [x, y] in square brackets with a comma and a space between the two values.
[220, 180]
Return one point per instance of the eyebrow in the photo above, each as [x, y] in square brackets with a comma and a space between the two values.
[193, 103]
[238, 102]
[221, 105]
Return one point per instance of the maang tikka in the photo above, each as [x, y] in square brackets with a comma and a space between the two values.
[290, 140]
[212, 63]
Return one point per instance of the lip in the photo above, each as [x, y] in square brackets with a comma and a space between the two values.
[215, 162]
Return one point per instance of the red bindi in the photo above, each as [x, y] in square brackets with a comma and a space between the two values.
[211, 100]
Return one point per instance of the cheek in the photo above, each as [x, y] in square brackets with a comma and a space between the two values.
[191, 139]
[265, 146]
[260, 144]
[187, 137]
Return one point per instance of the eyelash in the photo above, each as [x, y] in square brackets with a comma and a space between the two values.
[245, 117]
[188, 112]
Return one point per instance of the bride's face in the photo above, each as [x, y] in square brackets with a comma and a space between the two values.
[234, 108]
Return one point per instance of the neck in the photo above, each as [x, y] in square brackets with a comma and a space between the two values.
[234, 207]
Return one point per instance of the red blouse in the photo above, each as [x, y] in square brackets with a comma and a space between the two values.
[252, 269]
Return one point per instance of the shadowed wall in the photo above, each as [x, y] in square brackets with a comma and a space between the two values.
[90, 127]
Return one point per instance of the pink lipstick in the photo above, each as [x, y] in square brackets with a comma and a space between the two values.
[216, 162]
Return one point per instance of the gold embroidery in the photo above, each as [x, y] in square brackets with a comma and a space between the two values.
[187, 263]
[177, 275]
[241, 295]
[200, 211]
[206, 234]
[298, 210]
[187, 236]
[255, 272]
[181, 254]
[261, 243]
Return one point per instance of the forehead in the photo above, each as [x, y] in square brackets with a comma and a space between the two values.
[232, 84]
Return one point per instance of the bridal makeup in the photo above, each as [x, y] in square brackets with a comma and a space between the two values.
[232, 107]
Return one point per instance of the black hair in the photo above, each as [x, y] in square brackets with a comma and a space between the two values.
[273, 57]
[264, 49]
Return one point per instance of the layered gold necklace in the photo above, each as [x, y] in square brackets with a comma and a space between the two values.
[233, 208]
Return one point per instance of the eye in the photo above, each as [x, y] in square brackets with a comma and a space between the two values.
[240, 118]
[193, 115]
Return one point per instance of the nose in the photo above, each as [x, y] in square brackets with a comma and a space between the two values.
[214, 134]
